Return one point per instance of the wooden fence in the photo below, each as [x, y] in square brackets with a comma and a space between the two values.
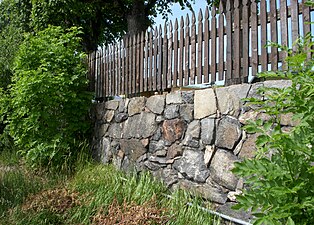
[226, 48]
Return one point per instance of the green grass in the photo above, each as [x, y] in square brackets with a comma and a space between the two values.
[88, 193]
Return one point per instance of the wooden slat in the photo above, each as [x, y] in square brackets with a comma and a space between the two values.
[245, 40]
[119, 68]
[200, 48]
[134, 65]
[274, 35]
[126, 75]
[221, 42]
[294, 20]
[263, 19]
[150, 79]
[142, 57]
[170, 55]
[284, 29]
[206, 46]
[146, 61]
[165, 57]
[229, 20]
[175, 54]
[122, 67]
[115, 56]
[236, 76]
[187, 51]
[160, 57]
[193, 50]
[254, 38]
[112, 69]
[130, 65]
[213, 34]
[138, 65]
[306, 14]
[155, 59]
[181, 46]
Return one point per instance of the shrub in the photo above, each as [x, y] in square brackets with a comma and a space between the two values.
[281, 178]
[49, 101]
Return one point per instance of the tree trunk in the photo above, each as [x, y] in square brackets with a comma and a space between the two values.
[137, 19]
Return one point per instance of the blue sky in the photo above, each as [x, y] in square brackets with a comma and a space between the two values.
[177, 12]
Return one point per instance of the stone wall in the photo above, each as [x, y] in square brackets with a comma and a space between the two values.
[189, 139]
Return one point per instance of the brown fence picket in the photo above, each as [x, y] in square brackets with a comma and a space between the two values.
[230, 45]
[213, 35]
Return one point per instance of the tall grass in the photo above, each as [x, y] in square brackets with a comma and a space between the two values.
[93, 188]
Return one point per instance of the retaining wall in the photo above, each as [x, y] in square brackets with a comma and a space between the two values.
[189, 139]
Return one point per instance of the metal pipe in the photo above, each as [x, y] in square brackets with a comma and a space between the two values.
[226, 217]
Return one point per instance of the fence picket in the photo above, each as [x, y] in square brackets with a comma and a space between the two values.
[230, 45]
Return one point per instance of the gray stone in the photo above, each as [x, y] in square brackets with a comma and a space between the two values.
[104, 153]
[192, 165]
[277, 83]
[248, 149]
[160, 160]
[208, 130]
[123, 105]
[153, 166]
[208, 191]
[155, 146]
[115, 130]
[109, 116]
[186, 112]
[120, 117]
[204, 103]
[187, 97]
[132, 148]
[171, 112]
[103, 129]
[220, 169]
[244, 118]
[100, 110]
[228, 133]
[174, 98]
[209, 153]
[230, 98]
[253, 91]
[140, 126]
[239, 214]
[173, 130]
[174, 151]
[192, 134]
[156, 103]
[160, 119]
[157, 135]
[112, 105]
[287, 120]
[169, 176]
[136, 105]
[161, 153]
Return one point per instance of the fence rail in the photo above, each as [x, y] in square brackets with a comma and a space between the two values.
[225, 48]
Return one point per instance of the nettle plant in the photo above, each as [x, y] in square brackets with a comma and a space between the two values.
[49, 101]
[280, 179]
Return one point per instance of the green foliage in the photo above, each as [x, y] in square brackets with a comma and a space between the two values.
[48, 98]
[281, 178]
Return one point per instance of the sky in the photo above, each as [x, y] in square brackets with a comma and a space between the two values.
[177, 12]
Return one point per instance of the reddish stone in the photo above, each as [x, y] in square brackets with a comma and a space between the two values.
[173, 130]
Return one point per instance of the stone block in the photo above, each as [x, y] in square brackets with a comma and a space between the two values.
[220, 169]
[187, 112]
[228, 133]
[192, 134]
[248, 149]
[171, 112]
[112, 105]
[204, 103]
[140, 126]
[156, 104]
[187, 97]
[174, 98]
[173, 130]
[174, 151]
[208, 126]
[192, 165]
[136, 105]
[132, 148]
[115, 130]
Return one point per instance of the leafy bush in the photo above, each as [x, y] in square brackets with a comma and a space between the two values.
[281, 178]
[49, 101]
